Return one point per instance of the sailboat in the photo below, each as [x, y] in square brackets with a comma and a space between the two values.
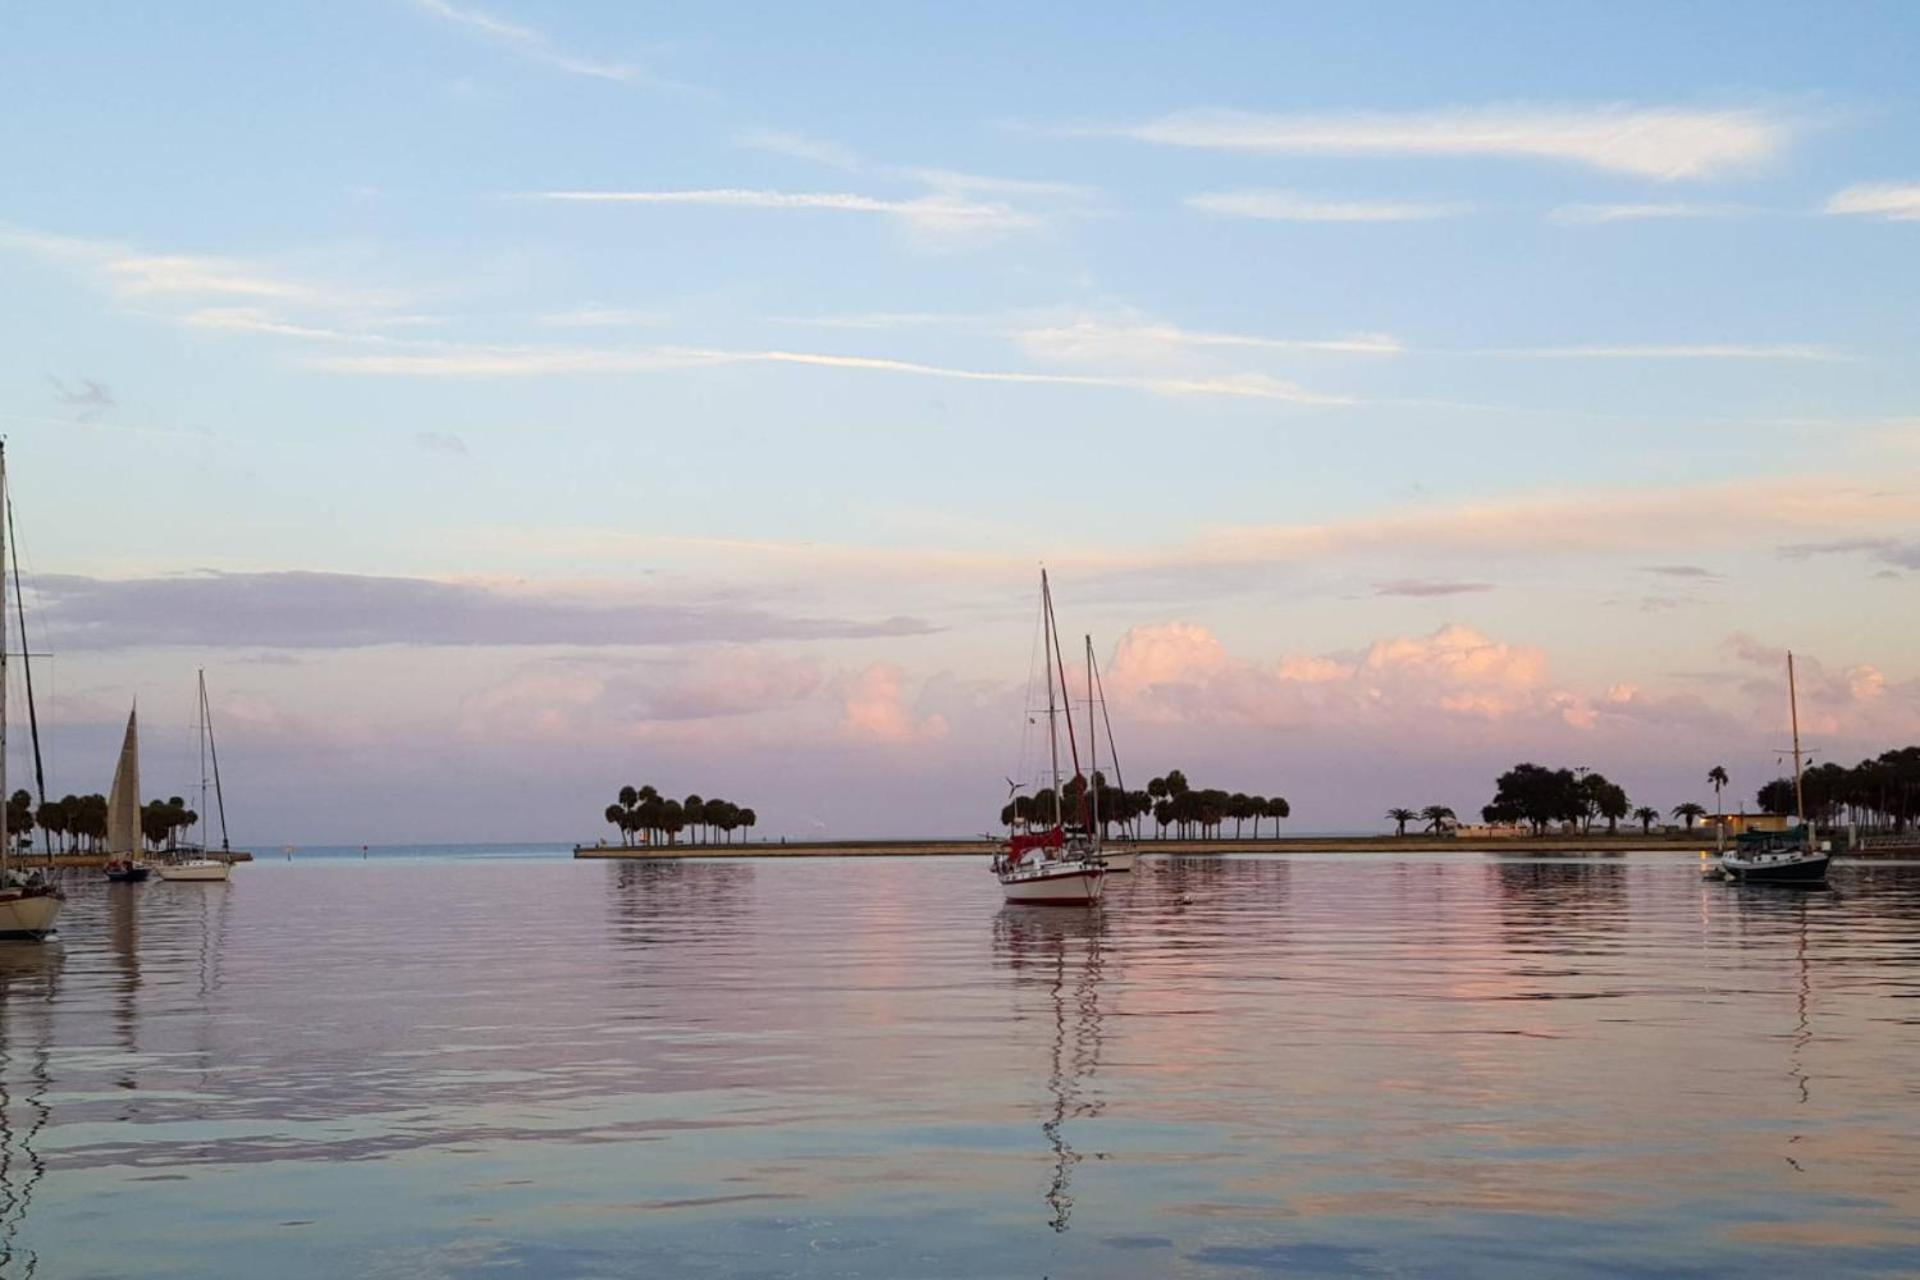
[29, 902]
[204, 867]
[123, 809]
[1782, 857]
[1058, 864]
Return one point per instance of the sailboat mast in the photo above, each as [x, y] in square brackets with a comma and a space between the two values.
[1073, 740]
[213, 754]
[6, 837]
[1793, 709]
[1046, 656]
[1093, 750]
[201, 707]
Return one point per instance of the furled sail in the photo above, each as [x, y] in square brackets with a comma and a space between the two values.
[123, 802]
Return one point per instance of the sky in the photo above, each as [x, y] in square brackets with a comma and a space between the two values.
[506, 401]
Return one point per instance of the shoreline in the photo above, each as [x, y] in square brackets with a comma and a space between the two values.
[60, 861]
[980, 847]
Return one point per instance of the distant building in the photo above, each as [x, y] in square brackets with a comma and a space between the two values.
[1489, 831]
[1735, 823]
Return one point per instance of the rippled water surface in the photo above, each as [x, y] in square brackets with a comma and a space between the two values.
[1307, 1066]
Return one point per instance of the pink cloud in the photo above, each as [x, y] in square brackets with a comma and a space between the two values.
[874, 709]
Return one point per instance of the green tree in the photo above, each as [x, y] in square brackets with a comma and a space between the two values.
[748, 818]
[1646, 815]
[1400, 818]
[1611, 803]
[1718, 780]
[618, 817]
[1689, 812]
[1437, 816]
[1278, 808]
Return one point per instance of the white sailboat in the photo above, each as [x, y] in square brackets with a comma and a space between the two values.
[1059, 863]
[29, 902]
[124, 862]
[204, 867]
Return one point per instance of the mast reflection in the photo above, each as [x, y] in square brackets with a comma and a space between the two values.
[1064, 951]
[29, 980]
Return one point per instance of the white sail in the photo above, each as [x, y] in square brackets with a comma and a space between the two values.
[123, 802]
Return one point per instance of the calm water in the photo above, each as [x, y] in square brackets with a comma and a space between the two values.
[1304, 1066]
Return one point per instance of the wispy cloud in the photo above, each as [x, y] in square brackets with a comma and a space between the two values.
[1596, 214]
[601, 318]
[88, 399]
[1287, 206]
[1689, 572]
[1103, 341]
[943, 217]
[531, 361]
[799, 146]
[442, 442]
[529, 42]
[1650, 142]
[1895, 551]
[302, 610]
[1421, 587]
[215, 291]
[1675, 351]
[1894, 202]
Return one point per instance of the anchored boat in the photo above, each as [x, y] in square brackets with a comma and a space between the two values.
[202, 866]
[29, 901]
[1782, 857]
[1053, 861]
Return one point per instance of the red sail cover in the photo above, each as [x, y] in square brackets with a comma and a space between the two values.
[1018, 845]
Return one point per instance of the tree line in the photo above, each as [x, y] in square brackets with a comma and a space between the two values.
[78, 824]
[644, 813]
[1881, 793]
[1170, 801]
[1539, 796]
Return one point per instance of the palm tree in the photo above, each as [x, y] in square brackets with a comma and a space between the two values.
[1278, 808]
[1437, 816]
[693, 811]
[1717, 778]
[1688, 812]
[1400, 818]
[748, 817]
[1647, 816]
[618, 817]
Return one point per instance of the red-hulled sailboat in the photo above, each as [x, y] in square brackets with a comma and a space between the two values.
[1048, 859]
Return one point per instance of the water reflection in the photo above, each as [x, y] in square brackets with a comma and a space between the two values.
[1062, 951]
[29, 986]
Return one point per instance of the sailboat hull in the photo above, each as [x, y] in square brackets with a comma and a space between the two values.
[1805, 870]
[28, 915]
[1076, 886]
[194, 871]
[1119, 861]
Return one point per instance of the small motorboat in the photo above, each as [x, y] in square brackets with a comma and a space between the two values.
[126, 871]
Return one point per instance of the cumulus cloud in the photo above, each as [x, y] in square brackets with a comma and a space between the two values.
[1854, 705]
[305, 610]
[874, 709]
[1455, 683]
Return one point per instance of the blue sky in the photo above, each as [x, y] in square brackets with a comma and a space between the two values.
[674, 392]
